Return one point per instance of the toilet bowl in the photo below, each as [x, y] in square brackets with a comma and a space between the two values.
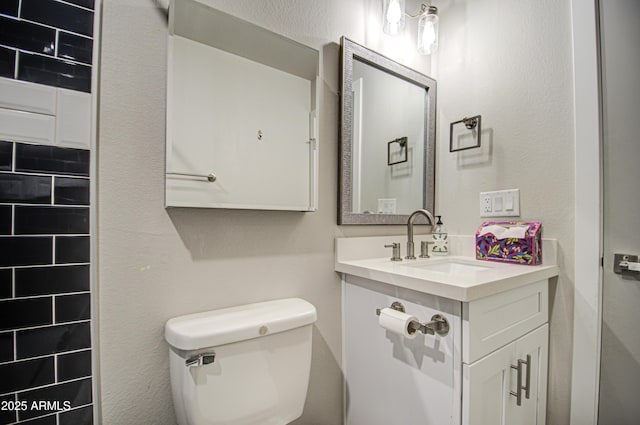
[242, 365]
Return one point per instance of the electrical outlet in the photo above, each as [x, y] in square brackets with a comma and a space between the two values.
[486, 203]
[501, 203]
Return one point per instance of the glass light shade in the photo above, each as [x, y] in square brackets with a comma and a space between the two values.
[428, 31]
[393, 16]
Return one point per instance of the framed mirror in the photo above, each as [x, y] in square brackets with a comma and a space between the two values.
[387, 139]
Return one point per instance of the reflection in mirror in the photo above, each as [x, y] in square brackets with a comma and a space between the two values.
[387, 139]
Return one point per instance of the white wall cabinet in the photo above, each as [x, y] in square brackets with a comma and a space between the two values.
[465, 377]
[242, 109]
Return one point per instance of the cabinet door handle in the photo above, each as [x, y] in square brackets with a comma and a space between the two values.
[527, 390]
[519, 387]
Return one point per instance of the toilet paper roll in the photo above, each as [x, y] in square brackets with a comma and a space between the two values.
[396, 322]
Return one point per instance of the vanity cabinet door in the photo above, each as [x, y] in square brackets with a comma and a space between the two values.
[488, 384]
[532, 411]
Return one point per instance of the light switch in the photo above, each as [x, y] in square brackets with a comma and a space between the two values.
[508, 202]
[497, 204]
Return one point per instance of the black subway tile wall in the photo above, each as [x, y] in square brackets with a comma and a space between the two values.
[46, 420]
[6, 217]
[75, 47]
[9, 7]
[60, 15]
[58, 279]
[55, 339]
[81, 416]
[47, 42]
[51, 160]
[72, 249]
[71, 308]
[13, 313]
[27, 36]
[74, 365]
[6, 283]
[24, 188]
[38, 220]
[53, 72]
[45, 291]
[6, 156]
[27, 374]
[7, 416]
[6, 347]
[71, 191]
[89, 4]
[77, 393]
[45, 283]
[7, 62]
[25, 251]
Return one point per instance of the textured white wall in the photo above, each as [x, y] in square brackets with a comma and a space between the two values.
[511, 62]
[155, 264]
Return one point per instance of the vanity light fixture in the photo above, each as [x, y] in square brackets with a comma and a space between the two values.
[393, 12]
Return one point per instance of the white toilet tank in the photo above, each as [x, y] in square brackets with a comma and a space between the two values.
[242, 365]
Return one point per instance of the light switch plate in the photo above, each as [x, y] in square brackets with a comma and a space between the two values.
[500, 203]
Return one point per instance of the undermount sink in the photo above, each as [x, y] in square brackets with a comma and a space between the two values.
[450, 267]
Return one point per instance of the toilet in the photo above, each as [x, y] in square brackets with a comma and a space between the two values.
[241, 365]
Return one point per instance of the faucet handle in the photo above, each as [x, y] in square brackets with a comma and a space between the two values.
[396, 251]
[424, 249]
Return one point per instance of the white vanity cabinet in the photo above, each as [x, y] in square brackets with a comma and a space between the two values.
[466, 377]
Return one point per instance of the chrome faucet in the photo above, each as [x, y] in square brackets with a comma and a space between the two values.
[412, 217]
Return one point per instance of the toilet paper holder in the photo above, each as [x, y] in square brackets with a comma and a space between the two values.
[438, 324]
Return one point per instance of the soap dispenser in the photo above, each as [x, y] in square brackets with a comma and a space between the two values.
[440, 238]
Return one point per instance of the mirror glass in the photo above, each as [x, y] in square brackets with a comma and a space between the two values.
[387, 139]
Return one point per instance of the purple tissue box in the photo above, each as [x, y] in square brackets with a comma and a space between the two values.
[518, 242]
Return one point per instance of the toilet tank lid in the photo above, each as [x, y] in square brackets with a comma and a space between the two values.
[235, 324]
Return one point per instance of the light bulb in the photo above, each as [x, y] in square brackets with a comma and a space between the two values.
[429, 34]
[393, 16]
[393, 12]
[428, 31]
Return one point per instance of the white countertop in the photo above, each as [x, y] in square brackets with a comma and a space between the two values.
[366, 257]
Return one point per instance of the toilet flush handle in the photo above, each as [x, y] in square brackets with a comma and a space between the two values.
[200, 359]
